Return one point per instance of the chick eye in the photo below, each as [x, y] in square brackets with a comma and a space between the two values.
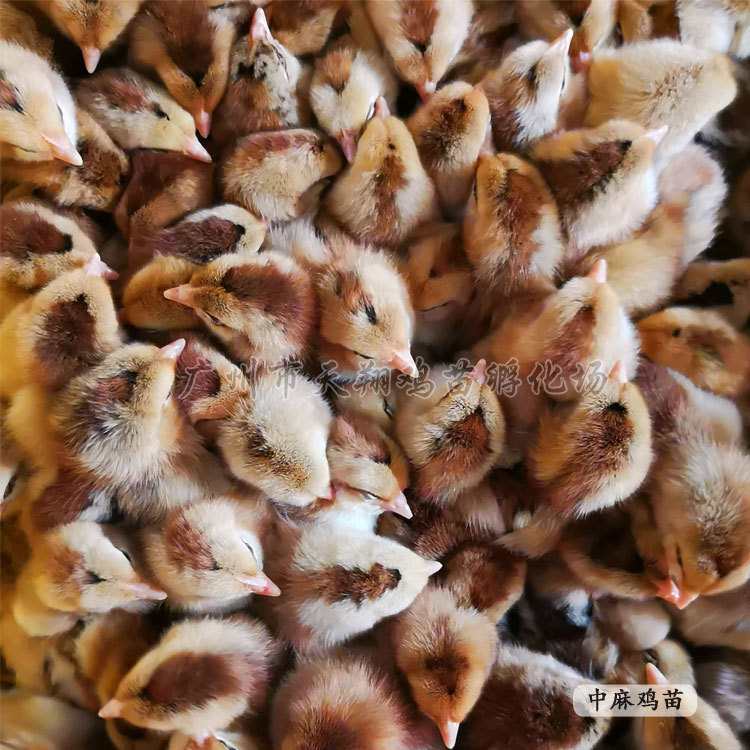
[252, 551]
[388, 409]
[215, 320]
[369, 497]
[421, 47]
[127, 556]
[676, 333]
[364, 356]
[474, 190]
[679, 557]
[93, 578]
[371, 316]
[531, 75]
[161, 114]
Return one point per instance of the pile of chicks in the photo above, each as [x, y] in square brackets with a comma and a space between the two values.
[405, 396]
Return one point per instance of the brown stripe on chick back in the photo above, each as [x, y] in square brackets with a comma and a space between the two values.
[62, 501]
[185, 544]
[24, 233]
[449, 124]
[198, 241]
[418, 19]
[337, 583]
[336, 65]
[120, 91]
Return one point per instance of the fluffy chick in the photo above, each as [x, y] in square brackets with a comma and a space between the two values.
[422, 38]
[440, 284]
[528, 701]
[139, 114]
[77, 568]
[20, 28]
[445, 652]
[723, 680]
[265, 86]
[449, 132]
[262, 445]
[199, 677]
[94, 27]
[374, 399]
[279, 176]
[602, 180]
[524, 92]
[700, 344]
[345, 85]
[385, 193]
[303, 26]
[453, 435]
[208, 556]
[511, 229]
[660, 83]
[187, 45]
[38, 117]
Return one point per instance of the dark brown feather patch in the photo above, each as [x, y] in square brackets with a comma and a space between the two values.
[337, 583]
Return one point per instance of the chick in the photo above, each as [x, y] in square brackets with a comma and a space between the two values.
[714, 26]
[366, 318]
[721, 286]
[347, 82]
[723, 680]
[139, 114]
[77, 568]
[38, 117]
[368, 473]
[528, 702]
[20, 28]
[660, 84]
[188, 46]
[93, 27]
[278, 176]
[453, 436]
[264, 89]
[511, 229]
[449, 132]
[335, 586]
[262, 308]
[37, 244]
[445, 652]
[94, 184]
[524, 92]
[700, 344]
[120, 422]
[602, 180]
[208, 556]
[440, 284]
[633, 624]
[303, 26]
[374, 399]
[163, 187]
[199, 677]
[386, 193]
[422, 38]
[262, 445]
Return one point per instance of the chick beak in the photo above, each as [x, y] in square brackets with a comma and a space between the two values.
[182, 294]
[64, 150]
[199, 741]
[203, 122]
[449, 732]
[194, 149]
[426, 90]
[144, 591]
[668, 590]
[432, 566]
[259, 26]
[111, 710]
[381, 108]
[598, 272]
[329, 493]
[403, 362]
[581, 62]
[657, 134]
[619, 373]
[479, 372]
[95, 266]
[172, 351]
[562, 43]
[348, 142]
[91, 57]
[398, 505]
[654, 676]
[261, 584]
[685, 598]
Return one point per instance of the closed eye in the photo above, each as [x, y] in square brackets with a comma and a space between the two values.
[364, 356]
[93, 578]
[215, 320]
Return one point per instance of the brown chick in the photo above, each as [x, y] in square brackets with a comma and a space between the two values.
[37, 244]
[139, 114]
[633, 624]
[199, 677]
[524, 92]
[366, 317]
[449, 132]
[345, 85]
[335, 586]
[700, 344]
[93, 27]
[385, 193]
[453, 435]
[120, 422]
[721, 286]
[657, 84]
[422, 38]
[208, 556]
[77, 568]
[446, 652]
[263, 446]
[440, 284]
[279, 176]
[94, 184]
[20, 28]
[38, 117]
[303, 26]
[723, 680]
[511, 229]
[262, 308]
[187, 44]
[528, 702]
[374, 399]
[162, 188]
[601, 179]
[265, 86]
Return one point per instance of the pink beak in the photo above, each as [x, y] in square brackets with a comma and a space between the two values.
[172, 351]
[348, 142]
[654, 676]
[449, 732]
[64, 150]
[403, 362]
[598, 271]
[261, 584]
[657, 134]
[95, 266]
[144, 591]
[181, 294]
[432, 566]
[329, 493]
[479, 371]
[562, 43]
[194, 149]
[426, 90]
[619, 373]
[91, 56]
[259, 26]
[399, 506]
[381, 108]
[111, 710]
[203, 123]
